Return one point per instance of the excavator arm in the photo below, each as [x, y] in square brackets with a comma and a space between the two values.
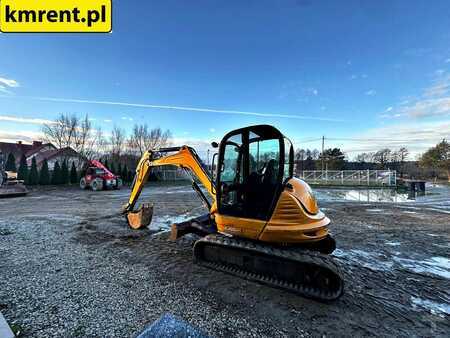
[183, 157]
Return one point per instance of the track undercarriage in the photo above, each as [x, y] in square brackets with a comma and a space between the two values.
[308, 271]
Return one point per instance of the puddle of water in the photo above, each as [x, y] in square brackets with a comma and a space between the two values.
[166, 221]
[433, 307]
[371, 260]
[439, 266]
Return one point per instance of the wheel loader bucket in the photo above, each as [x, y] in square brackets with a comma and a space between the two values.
[142, 217]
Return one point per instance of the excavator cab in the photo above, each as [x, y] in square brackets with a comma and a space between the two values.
[253, 164]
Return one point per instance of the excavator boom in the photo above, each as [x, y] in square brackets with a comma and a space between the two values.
[184, 157]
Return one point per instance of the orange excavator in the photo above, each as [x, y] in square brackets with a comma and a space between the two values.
[263, 223]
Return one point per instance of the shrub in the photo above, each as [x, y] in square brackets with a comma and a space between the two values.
[10, 164]
[56, 175]
[124, 173]
[44, 176]
[73, 174]
[33, 176]
[64, 173]
[23, 169]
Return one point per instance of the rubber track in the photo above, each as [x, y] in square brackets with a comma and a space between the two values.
[319, 260]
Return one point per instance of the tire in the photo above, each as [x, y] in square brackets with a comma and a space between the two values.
[83, 183]
[97, 185]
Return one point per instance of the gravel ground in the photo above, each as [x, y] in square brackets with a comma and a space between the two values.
[70, 267]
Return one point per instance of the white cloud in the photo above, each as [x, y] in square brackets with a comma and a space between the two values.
[427, 108]
[212, 130]
[20, 135]
[439, 89]
[417, 138]
[388, 109]
[107, 120]
[371, 92]
[126, 118]
[447, 61]
[9, 82]
[194, 109]
[18, 119]
[4, 90]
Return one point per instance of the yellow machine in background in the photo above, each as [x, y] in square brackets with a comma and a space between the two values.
[263, 223]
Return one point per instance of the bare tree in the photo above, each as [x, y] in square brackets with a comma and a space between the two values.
[300, 157]
[382, 157]
[403, 155]
[117, 141]
[61, 131]
[71, 131]
[143, 139]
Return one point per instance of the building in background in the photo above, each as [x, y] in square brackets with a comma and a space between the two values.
[41, 151]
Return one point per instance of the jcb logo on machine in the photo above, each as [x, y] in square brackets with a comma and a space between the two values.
[55, 16]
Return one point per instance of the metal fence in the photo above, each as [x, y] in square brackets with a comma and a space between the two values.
[171, 175]
[350, 177]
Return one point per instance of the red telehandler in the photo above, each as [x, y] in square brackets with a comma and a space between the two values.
[98, 177]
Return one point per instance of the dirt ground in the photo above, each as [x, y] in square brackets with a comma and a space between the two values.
[70, 267]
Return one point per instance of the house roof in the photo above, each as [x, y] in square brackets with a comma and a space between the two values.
[50, 154]
[16, 148]
[19, 148]
[38, 148]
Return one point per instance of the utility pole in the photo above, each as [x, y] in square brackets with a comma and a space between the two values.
[323, 149]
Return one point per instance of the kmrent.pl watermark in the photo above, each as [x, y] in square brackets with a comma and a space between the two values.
[55, 16]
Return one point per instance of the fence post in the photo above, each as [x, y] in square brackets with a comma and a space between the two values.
[368, 177]
[342, 177]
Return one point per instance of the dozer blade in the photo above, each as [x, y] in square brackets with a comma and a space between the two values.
[13, 189]
[141, 217]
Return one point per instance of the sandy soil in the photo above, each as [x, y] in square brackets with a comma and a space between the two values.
[70, 267]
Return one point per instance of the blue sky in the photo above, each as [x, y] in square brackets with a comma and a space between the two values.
[366, 74]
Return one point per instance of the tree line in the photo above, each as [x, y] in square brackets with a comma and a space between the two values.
[61, 174]
[91, 142]
[431, 163]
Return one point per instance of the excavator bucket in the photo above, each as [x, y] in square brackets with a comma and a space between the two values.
[141, 217]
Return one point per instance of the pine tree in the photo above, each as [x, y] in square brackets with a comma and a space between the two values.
[23, 169]
[113, 168]
[44, 176]
[130, 176]
[33, 176]
[64, 173]
[10, 164]
[56, 175]
[106, 164]
[124, 173]
[73, 174]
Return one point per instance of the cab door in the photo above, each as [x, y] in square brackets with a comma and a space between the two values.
[250, 172]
